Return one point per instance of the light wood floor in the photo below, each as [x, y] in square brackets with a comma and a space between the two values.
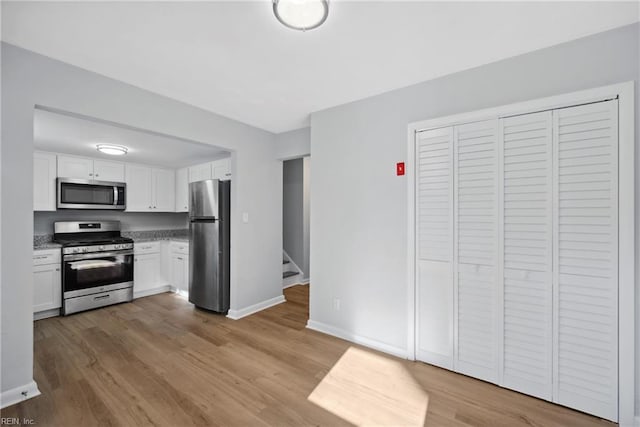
[159, 361]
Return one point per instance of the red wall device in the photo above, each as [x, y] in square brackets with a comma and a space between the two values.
[400, 168]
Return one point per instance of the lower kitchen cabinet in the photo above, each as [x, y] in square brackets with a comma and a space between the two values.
[47, 284]
[180, 273]
[180, 267]
[147, 263]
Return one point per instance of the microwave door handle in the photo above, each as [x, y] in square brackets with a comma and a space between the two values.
[115, 195]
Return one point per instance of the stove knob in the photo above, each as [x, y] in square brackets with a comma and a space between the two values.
[101, 248]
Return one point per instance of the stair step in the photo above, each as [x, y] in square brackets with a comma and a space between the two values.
[285, 261]
[287, 274]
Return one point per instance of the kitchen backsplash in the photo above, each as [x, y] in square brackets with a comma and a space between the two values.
[130, 221]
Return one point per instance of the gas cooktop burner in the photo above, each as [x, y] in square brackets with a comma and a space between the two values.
[84, 242]
[82, 237]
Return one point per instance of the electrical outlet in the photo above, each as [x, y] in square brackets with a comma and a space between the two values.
[336, 304]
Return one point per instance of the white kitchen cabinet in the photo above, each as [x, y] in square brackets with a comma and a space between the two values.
[200, 172]
[163, 190]
[138, 179]
[105, 170]
[180, 266]
[44, 181]
[180, 273]
[150, 189]
[86, 168]
[182, 190]
[146, 272]
[47, 288]
[75, 167]
[221, 169]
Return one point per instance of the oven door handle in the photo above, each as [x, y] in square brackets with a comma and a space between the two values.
[93, 255]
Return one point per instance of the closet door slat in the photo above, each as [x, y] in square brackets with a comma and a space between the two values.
[586, 259]
[476, 228]
[434, 246]
[527, 255]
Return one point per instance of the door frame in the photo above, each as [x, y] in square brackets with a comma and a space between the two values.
[626, 221]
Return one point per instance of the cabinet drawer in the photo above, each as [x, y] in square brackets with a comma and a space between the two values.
[46, 256]
[180, 248]
[146, 247]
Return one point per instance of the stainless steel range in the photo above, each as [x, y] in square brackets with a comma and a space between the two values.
[97, 264]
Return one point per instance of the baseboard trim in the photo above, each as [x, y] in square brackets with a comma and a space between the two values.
[154, 291]
[367, 342]
[18, 394]
[295, 284]
[46, 314]
[247, 311]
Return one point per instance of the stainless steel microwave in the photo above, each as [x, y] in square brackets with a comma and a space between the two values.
[90, 194]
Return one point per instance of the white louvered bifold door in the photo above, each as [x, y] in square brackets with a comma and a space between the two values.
[586, 260]
[434, 246]
[527, 254]
[476, 247]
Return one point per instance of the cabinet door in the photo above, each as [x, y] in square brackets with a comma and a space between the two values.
[139, 197]
[221, 169]
[182, 190]
[146, 272]
[200, 172]
[527, 254]
[476, 246]
[179, 272]
[44, 182]
[586, 259]
[75, 167]
[47, 291]
[104, 170]
[434, 246]
[163, 190]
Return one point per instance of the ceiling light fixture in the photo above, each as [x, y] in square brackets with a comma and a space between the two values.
[301, 14]
[113, 150]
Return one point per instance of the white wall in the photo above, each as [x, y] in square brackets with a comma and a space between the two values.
[359, 207]
[29, 79]
[129, 221]
[293, 144]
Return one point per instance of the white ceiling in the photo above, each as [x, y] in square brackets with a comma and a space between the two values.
[236, 59]
[61, 133]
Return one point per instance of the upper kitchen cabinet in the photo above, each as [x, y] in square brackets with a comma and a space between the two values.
[138, 179]
[150, 189]
[75, 167]
[105, 170]
[221, 169]
[182, 190]
[218, 169]
[200, 172]
[44, 181]
[85, 168]
[163, 190]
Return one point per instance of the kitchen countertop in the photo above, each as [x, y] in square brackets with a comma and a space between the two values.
[46, 245]
[45, 241]
[159, 239]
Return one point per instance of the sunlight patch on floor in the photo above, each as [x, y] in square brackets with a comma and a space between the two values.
[365, 388]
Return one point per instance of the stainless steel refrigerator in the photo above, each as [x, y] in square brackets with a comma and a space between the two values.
[209, 231]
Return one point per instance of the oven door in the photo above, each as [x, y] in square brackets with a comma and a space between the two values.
[85, 274]
[86, 194]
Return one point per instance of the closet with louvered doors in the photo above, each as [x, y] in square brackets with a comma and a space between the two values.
[517, 253]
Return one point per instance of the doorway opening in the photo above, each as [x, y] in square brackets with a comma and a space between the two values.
[295, 221]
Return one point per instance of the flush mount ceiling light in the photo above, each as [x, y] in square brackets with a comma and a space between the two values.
[301, 14]
[113, 150]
